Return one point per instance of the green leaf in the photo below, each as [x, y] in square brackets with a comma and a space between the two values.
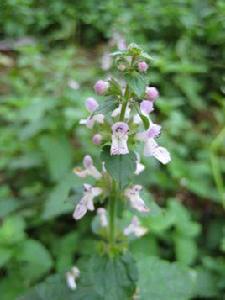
[186, 250]
[136, 83]
[145, 121]
[35, 260]
[55, 288]
[106, 106]
[56, 204]
[64, 250]
[12, 231]
[206, 284]
[7, 206]
[114, 278]
[58, 155]
[160, 280]
[5, 255]
[120, 167]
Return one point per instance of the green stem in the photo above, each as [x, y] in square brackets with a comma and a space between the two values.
[124, 105]
[112, 215]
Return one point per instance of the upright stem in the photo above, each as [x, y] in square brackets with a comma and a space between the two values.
[112, 214]
[124, 105]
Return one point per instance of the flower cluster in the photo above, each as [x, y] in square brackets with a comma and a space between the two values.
[127, 122]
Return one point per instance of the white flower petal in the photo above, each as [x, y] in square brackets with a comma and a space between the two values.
[96, 191]
[119, 145]
[139, 168]
[137, 120]
[75, 271]
[162, 155]
[151, 148]
[116, 111]
[99, 118]
[102, 216]
[135, 228]
[80, 210]
[90, 204]
[71, 282]
[135, 200]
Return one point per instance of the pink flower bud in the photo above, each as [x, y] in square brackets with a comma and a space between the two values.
[142, 66]
[91, 104]
[101, 87]
[87, 161]
[152, 93]
[146, 107]
[97, 139]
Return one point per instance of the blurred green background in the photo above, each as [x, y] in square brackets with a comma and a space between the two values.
[51, 54]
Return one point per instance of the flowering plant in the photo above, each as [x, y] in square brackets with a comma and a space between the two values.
[119, 124]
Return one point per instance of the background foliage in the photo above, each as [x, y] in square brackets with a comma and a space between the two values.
[46, 44]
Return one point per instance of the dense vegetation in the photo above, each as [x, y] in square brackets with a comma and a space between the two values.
[49, 61]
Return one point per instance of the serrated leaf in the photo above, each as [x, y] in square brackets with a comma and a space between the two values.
[120, 167]
[161, 280]
[136, 83]
[54, 288]
[114, 278]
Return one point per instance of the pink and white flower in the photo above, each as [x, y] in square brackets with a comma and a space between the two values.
[135, 228]
[152, 93]
[89, 169]
[133, 195]
[102, 214]
[119, 139]
[151, 148]
[92, 105]
[101, 87]
[71, 277]
[86, 202]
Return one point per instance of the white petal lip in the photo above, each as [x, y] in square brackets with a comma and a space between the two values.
[71, 282]
[119, 145]
[139, 168]
[151, 148]
[135, 200]
[86, 202]
[71, 277]
[80, 210]
[135, 228]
